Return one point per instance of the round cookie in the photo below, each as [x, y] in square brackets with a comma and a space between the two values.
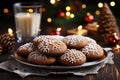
[52, 47]
[93, 51]
[72, 57]
[25, 49]
[40, 59]
[75, 41]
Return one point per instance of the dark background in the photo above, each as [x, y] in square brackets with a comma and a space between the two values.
[7, 19]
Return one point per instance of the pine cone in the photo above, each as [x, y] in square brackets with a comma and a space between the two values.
[8, 42]
[1, 49]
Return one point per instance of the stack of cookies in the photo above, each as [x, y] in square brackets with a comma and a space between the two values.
[72, 50]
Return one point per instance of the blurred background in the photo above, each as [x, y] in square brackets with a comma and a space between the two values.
[59, 13]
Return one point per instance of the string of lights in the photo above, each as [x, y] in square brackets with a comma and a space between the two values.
[65, 9]
[70, 15]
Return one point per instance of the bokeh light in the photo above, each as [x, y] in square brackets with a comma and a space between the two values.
[30, 10]
[59, 29]
[97, 12]
[72, 15]
[88, 14]
[83, 6]
[49, 20]
[112, 3]
[52, 1]
[67, 13]
[68, 8]
[100, 5]
[6, 10]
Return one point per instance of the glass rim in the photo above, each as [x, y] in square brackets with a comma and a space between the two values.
[27, 4]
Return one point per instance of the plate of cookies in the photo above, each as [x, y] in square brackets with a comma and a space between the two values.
[58, 52]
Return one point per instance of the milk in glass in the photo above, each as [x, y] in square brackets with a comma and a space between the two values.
[28, 24]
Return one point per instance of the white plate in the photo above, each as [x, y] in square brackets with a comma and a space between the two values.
[86, 64]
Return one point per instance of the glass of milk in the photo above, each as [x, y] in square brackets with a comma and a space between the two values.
[27, 20]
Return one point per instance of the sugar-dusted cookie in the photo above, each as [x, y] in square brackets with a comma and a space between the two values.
[25, 49]
[52, 47]
[40, 59]
[93, 51]
[75, 41]
[72, 57]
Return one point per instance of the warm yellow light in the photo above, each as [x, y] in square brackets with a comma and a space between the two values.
[117, 46]
[10, 31]
[58, 0]
[72, 15]
[28, 14]
[83, 6]
[112, 3]
[97, 25]
[114, 34]
[88, 14]
[49, 20]
[5, 10]
[97, 12]
[100, 5]
[59, 29]
[52, 1]
[68, 8]
[67, 13]
[80, 27]
[30, 10]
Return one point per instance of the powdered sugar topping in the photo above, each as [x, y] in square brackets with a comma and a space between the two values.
[73, 39]
[41, 38]
[72, 56]
[35, 55]
[92, 48]
[90, 40]
[49, 44]
[27, 46]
